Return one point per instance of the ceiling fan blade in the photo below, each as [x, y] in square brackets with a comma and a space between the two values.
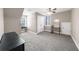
[55, 9]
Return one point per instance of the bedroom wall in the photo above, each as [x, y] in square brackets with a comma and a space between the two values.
[62, 16]
[1, 22]
[12, 18]
[75, 26]
[12, 24]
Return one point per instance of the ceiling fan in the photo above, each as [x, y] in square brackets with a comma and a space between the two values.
[52, 10]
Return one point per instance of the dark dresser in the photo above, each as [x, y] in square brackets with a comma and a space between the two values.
[11, 42]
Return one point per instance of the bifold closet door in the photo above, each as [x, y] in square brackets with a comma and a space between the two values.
[40, 23]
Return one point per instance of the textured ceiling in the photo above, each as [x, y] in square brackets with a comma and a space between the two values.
[17, 12]
[43, 10]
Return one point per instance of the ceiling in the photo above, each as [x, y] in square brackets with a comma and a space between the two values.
[43, 11]
[17, 12]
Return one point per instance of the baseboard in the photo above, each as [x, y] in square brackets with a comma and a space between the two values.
[32, 32]
[65, 34]
[75, 42]
[47, 30]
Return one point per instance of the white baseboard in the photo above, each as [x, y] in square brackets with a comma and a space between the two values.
[75, 41]
[32, 32]
[66, 33]
[47, 30]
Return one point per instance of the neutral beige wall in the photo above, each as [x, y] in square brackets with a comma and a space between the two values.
[62, 16]
[1, 22]
[75, 25]
[12, 25]
[12, 18]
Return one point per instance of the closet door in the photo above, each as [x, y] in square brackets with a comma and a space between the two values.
[66, 28]
[40, 23]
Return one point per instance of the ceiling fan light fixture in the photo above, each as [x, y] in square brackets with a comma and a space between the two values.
[49, 13]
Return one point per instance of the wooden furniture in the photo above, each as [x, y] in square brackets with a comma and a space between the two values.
[56, 26]
[52, 29]
[24, 29]
[47, 28]
[55, 29]
[11, 42]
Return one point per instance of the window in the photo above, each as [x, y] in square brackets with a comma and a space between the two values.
[47, 20]
[23, 21]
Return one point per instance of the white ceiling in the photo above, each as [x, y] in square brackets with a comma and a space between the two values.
[43, 11]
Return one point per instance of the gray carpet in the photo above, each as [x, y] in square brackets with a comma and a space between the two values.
[46, 41]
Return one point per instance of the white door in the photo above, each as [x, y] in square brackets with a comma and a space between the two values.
[66, 28]
[40, 23]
